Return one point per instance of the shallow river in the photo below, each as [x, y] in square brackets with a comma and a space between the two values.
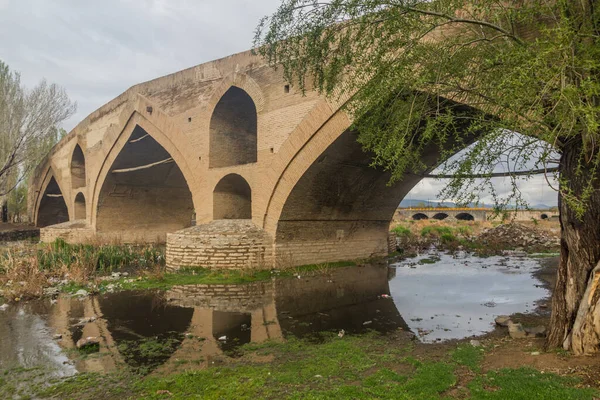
[436, 297]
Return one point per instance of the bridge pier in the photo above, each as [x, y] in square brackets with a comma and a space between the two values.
[233, 243]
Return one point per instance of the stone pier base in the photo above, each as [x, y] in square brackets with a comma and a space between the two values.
[222, 244]
[77, 231]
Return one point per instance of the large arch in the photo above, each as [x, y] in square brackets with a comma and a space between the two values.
[419, 217]
[145, 194]
[79, 209]
[78, 177]
[440, 216]
[233, 130]
[232, 198]
[53, 208]
[339, 207]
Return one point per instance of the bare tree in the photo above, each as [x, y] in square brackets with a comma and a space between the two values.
[29, 125]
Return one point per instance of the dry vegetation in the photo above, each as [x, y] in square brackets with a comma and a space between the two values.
[25, 270]
[415, 236]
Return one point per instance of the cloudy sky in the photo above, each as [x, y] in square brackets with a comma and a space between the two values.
[98, 49]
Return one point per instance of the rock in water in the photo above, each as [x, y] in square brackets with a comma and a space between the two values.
[502, 320]
[88, 342]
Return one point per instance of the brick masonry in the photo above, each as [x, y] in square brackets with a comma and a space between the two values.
[237, 244]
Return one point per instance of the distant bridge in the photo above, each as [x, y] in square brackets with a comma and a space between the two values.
[471, 214]
[457, 213]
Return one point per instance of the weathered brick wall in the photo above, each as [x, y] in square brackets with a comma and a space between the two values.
[237, 244]
[71, 232]
[313, 242]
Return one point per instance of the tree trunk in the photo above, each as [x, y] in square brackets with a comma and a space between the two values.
[575, 322]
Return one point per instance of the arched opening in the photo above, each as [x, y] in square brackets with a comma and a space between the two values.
[79, 209]
[232, 198]
[53, 209]
[465, 217]
[340, 207]
[233, 130]
[440, 216]
[77, 168]
[145, 194]
[419, 217]
[544, 216]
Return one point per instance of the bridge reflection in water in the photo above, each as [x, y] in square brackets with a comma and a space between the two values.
[194, 326]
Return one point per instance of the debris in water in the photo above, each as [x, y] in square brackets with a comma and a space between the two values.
[90, 341]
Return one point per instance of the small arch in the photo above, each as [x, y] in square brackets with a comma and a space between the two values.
[77, 168]
[79, 211]
[544, 216]
[465, 217]
[53, 209]
[419, 217]
[233, 130]
[440, 216]
[232, 198]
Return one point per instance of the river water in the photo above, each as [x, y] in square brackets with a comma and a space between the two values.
[434, 296]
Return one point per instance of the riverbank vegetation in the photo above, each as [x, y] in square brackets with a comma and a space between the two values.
[32, 270]
[481, 238]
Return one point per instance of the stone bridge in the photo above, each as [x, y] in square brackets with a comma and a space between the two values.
[473, 214]
[460, 214]
[228, 165]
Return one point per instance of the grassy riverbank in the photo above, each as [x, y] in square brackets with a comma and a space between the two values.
[359, 367]
[28, 271]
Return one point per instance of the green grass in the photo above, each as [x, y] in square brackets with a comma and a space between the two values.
[368, 366]
[436, 231]
[469, 356]
[527, 384]
[104, 258]
[402, 231]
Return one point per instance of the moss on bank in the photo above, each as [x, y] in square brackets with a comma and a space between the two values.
[360, 367]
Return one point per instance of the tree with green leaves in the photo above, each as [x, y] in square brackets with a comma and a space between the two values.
[29, 126]
[469, 74]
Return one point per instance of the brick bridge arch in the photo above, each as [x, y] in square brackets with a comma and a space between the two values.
[147, 154]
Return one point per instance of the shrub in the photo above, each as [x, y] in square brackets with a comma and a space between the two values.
[435, 231]
[402, 231]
